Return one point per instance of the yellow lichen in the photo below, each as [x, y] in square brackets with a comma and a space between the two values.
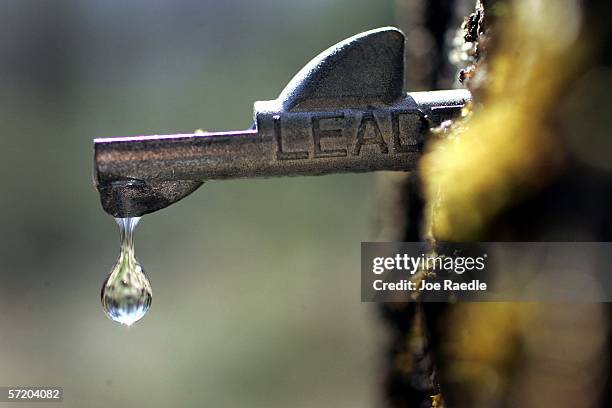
[508, 148]
[436, 401]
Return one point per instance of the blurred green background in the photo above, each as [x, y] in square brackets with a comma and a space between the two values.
[255, 283]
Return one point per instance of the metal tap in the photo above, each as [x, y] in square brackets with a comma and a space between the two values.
[345, 111]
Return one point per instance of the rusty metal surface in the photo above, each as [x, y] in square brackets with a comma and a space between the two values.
[345, 111]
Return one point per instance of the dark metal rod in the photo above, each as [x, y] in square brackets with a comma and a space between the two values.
[387, 137]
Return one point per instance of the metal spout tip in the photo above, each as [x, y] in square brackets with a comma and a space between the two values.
[134, 198]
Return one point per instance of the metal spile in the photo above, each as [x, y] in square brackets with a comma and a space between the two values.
[345, 111]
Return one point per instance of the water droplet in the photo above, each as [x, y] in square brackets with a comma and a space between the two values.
[126, 293]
